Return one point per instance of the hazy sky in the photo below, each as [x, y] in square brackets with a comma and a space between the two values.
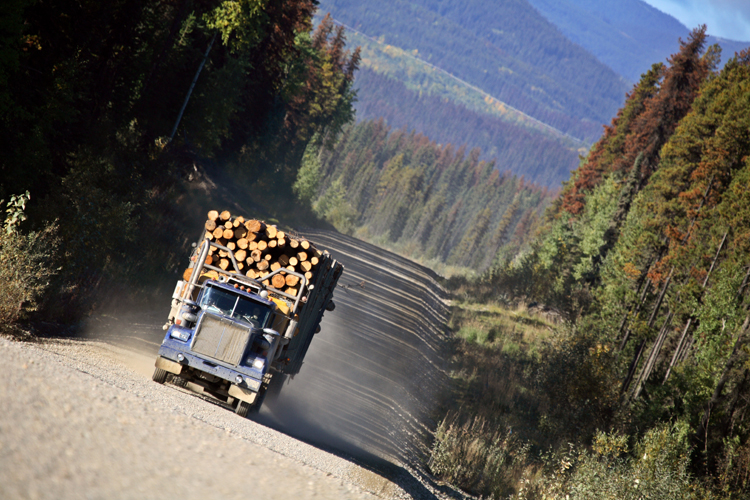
[724, 18]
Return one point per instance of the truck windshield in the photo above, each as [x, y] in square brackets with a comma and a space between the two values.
[223, 302]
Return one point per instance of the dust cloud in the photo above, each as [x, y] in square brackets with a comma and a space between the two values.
[371, 378]
[372, 375]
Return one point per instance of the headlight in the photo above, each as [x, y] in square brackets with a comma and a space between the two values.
[258, 363]
[238, 379]
[180, 334]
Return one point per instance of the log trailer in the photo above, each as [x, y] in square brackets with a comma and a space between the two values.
[235, 322]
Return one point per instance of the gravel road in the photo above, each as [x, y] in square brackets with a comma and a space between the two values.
[82, 418]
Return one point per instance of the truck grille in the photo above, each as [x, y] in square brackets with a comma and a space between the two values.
[221, 339]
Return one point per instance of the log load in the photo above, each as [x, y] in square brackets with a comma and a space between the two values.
[259, 249]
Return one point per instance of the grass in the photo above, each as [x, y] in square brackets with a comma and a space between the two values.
[493, 326]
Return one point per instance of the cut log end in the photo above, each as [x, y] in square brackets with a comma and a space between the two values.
[278, 281]
[225, 215]
[213, 215]
[291, 280]
[210, 225]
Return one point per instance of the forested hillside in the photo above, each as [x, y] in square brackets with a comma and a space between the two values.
[524, 151]
[91, 149]
[505, 48]
[646, 255]
[431, 202]
[626, 35]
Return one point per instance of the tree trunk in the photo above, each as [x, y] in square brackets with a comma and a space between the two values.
[653, 356]
[701, 432]
[633, 367]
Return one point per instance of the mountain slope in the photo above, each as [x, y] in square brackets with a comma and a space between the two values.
[542, 159]
[505, 48]
[626, 35]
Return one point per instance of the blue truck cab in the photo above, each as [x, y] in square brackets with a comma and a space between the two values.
[228, 334]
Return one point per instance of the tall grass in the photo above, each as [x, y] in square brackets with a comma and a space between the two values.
[525, 388]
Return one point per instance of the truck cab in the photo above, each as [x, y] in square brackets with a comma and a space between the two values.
[225, 342]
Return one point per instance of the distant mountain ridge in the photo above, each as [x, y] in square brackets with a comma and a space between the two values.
[508, 49]
[626, 35]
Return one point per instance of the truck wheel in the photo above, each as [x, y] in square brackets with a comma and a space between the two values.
[160, 375]
[242, 409]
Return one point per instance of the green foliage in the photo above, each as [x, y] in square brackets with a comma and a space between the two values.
[27, 264]
[657, 468]
[426, 200]
[647, 255]
[239, 22]
[308, 178]
[15, 212]
[334, 207]
[89, 95]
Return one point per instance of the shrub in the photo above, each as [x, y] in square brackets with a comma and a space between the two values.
[26, 265]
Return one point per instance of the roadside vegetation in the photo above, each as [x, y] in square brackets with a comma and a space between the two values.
[635, 382]
[118, 165]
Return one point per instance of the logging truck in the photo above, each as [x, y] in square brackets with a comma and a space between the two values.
[245, 311]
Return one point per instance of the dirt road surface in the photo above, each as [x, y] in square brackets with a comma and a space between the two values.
[82, 418]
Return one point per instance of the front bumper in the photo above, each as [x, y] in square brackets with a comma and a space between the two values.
[171, 348]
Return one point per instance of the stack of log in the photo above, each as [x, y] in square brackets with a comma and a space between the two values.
[260, 249]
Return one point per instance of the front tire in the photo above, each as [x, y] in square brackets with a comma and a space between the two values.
[159, 376]
[242, 409]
